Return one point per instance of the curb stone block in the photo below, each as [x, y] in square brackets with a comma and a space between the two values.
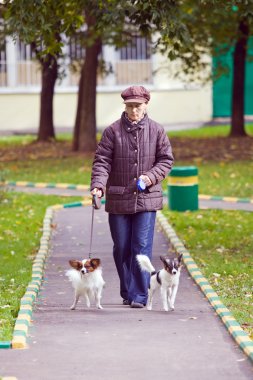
[233, 327]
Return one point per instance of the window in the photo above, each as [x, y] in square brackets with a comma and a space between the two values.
[137, 49]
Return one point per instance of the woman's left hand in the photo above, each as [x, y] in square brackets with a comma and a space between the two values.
[146, 180]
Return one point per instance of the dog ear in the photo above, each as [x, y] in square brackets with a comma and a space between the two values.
[75, 264]
[163, 259]
[180, 257]
[95, 263]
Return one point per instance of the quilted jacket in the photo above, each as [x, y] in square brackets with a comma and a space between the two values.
[125, 152]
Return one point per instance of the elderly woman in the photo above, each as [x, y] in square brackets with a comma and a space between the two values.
[132, 148]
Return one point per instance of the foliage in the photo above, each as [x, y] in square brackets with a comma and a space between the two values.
[208, 35]
[42, 22]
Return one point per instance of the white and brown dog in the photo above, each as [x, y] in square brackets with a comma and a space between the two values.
[87, 280]
[167, 279]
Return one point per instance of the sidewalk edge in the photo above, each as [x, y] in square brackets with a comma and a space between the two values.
[20, 332]
[233, 327]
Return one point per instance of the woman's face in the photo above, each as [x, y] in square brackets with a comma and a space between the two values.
[135, 111]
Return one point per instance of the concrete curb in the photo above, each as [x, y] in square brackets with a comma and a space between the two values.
[70, 186]
[224, 199]
[19, 339]
[46, 185]
[27, 302]
[233, 327]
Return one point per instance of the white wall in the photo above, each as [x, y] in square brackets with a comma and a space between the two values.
[21, 110]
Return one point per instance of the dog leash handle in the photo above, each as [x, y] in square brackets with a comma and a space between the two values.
[96, 204]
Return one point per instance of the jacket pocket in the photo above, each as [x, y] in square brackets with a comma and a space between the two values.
[155, 188]
[116, 190]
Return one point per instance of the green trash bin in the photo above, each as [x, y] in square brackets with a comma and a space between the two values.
[183, 188]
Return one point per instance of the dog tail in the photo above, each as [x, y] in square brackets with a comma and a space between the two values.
[145, 263]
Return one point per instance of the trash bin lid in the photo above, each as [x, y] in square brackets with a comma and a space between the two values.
[184, 171]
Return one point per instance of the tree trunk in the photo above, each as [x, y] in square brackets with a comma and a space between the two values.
[85, 125]
[49, 77]
[240, 54]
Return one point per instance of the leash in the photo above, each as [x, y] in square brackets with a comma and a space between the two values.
[96, 204]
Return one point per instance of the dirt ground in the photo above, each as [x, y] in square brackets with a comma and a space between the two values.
[184, 149]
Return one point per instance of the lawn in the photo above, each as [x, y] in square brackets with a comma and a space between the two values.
[21, 218]
[224, 179]
[221, 242]
[75, 170]
[209, 131]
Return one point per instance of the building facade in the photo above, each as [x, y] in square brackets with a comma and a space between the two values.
[172, 101]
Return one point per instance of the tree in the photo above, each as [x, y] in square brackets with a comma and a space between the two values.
[85, 124]
[114, 22]
[216, 27]
[105, 24]
[42, 24]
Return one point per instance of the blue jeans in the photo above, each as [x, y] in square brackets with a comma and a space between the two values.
[132, 234]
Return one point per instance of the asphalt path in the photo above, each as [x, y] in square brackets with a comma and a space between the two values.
[119, 342]
[203, 204]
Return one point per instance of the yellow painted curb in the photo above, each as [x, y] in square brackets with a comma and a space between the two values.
[232, 326]
[21, 329]
[19, 342]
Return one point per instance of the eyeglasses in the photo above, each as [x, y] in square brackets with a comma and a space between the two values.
[138, 106]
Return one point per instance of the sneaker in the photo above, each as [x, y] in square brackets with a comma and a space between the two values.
[126, 302]
[137, 305]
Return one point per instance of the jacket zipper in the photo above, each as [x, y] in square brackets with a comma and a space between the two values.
[138, 163]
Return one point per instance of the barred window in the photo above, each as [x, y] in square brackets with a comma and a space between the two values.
[25, 51]
[3, 64]
[137, 49]
[76, 50]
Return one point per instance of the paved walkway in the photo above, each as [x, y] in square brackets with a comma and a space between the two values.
[203, 204]
[119, 342]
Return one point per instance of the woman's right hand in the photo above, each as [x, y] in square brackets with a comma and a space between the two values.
[97, 192]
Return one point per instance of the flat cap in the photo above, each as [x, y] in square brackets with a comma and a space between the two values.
[135, 94]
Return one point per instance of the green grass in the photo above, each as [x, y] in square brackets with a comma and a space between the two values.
[221, 243]
[224, 179]
[233, 179]
[7, 141]
[209, 131]
[21, 220]
[74, 170]
[203, 132]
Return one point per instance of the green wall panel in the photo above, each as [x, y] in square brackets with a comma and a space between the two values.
[222, 88]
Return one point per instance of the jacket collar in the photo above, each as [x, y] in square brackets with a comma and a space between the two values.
[129, 127]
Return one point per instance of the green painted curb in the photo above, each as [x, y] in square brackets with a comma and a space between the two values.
[27, 301]
[74, 204]
[50, 185]
[71, 186]
[5, 344]
[232, 326]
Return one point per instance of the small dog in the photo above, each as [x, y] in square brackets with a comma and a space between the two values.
[167, 279]
[87, 280]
